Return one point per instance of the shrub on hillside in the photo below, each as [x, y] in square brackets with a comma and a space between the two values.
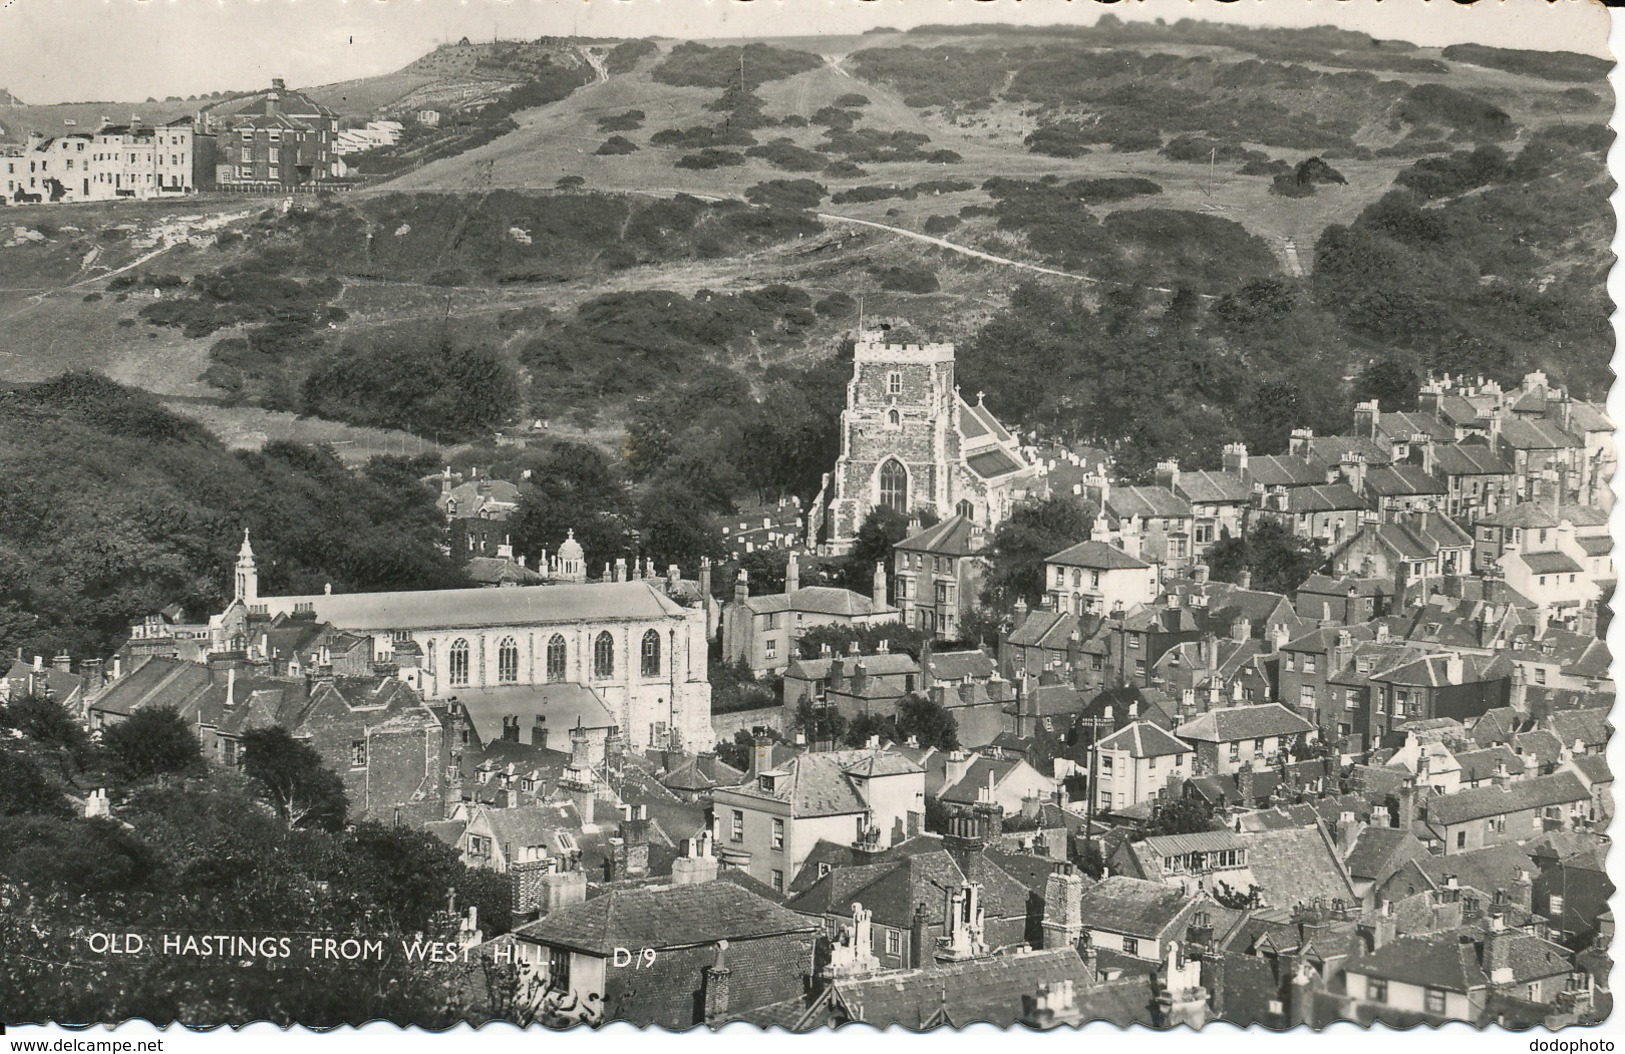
[625, 56]
[709, 158]
[696, 65]
[630, 121]
[785, 154]
[905, 279]
[704, 135]
[851, 100]
[787, 193]
[616, 144]
[941, 224]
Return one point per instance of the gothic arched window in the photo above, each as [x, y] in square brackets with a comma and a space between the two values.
[965, 509]
[603, 655]
[457, 664]
[555, 659]
[894, 486]
[508, 661]
[651, 654]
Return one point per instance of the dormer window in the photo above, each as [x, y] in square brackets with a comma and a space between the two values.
[765, 783]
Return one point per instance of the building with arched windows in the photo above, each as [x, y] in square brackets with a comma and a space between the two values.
[911, 442]
[516, 653]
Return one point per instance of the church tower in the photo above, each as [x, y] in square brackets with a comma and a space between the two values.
[899, 435]
[247, 583]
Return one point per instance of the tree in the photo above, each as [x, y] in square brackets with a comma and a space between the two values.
[152, 742]
[1277, 559]
[46, 721]
[1033, 532]
[740, 751]
[1392, 380]
[25, 790]
[840, 639]
[820, 724]
[861, 729]
[883, 528]
[928, 722]
[1180, 816]
[292, 778]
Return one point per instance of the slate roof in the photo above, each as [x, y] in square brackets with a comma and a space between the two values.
[1231, 723]
[673, 917]
[1594, 768]
[1588, 417]
[1153, 502]
[1329, 450]
[58, 685]
[1039, 624]
[1560, 788]
[1540, 514]
[449, 608]
[892, 888]
[1524, 434]
[991, 464]
[1284, 470]
[701, 772]
[1481, 764]
[156, 682]
[1469, 459]
[1202, 487]
[1588, 726]
[1551, 562]
[818, 600]
[1143, 739]
[1327, 497]
[1433, 961]
[976, 420]
[955, 536]
[1134, 907]
[1096, 555]
[564, 705]
[1526, 956]
[891, 663]
[1401, 479]
[979, 774]
[497, 571]
[972, 992]
[1401, 425]
[959, 665]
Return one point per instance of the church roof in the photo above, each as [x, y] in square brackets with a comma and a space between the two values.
[952, 537]
[564, 705]
[977, 421]
[457, 608]
[995, 462]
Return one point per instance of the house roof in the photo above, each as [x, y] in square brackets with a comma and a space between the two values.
[1437, 960]
[1401, 479]
[818, 600]
[1380, 851]
[1587, 726]
[819, 784]
[1469, 459]
[972, 663]
[1330, 450]
[1560, 788]
[987, 990]
[1540, 514]
[60, 686]
[1096, 556]
[1203, 487]
[1527, 434]
[1298, 865]
[887, 664]
[500, 570]
[564, 704]
[1038, 625]
[1594, 768]
[1549, 563]
[156, 682]
[1284, 470]
[1134, 907]
[1231, 723]
[1326, 497]
[1142, 739]
[1154, 502]
[1401, 425]
[1477, 765]
[665, 918]
[458, 608]
[1524, 956]
[955, 536]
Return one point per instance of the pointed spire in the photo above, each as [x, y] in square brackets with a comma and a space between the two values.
[247, 551]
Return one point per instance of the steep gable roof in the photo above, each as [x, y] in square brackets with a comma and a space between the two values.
[1135, 907]
[1096, 556]
[1142, 739]
[1232, 723]
[668, 918]
[1560, 788]
[955, 536]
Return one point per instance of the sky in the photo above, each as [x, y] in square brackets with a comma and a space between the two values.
[127, 50]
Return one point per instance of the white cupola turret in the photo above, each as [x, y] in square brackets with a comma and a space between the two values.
[246, 586]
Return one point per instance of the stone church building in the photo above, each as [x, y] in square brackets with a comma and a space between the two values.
[911, 442]
[640, 652]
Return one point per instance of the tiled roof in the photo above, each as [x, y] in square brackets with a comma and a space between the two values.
[982, 772]
[817, 784]
[1231, 723]
[955, 536]
[1594, 768]
[1588, 417]
[1524, 956]
[1401, 425]
[1329, 450]
[1037, 625]
[1588, 726]
[49, 679]
[1379, 851]
[976, 420]
[1560, 788]
[494, 570]
[1481, 764]
[981, 990]
[156, 682]
[1432, 961]
[674, 917]
[1144, 740]
[434, 609]
[1298, 865]
[1096, 556]
[1155, 502]
[1134, 907]
[1540, 744]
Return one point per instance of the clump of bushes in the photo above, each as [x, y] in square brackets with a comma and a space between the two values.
[616, 144]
